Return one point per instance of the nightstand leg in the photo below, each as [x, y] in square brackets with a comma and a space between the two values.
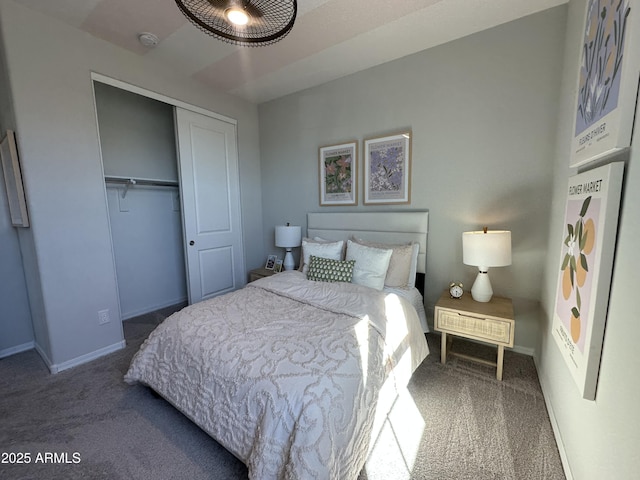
[443, 349]
[500, 360]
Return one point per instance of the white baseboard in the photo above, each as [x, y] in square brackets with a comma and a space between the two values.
[153, 308]
[554, 425]
[7, 352]
[43, 355]
[74, 362]
[524, 350]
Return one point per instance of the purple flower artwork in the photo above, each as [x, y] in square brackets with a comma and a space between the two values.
[387, 169]
[601, 60]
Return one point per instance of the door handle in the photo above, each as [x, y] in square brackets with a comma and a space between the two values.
[192, 243]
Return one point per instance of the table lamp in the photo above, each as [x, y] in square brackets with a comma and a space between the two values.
[484, 249]
[287, 237]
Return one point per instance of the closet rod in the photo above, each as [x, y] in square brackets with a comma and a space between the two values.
[140, 181]
[129, 182]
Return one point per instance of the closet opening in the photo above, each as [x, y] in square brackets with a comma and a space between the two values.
[139, 155]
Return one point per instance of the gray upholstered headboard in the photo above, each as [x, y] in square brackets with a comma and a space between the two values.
[386, 227]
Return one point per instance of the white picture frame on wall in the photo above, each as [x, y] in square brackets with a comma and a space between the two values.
[607, 83]
[13, 180]
[338, 174]
[387, 169]
[584, 275]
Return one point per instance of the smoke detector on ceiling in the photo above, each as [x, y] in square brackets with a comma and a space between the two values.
[147, 39]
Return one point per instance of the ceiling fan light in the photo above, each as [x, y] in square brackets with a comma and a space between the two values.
[265, 21]
[237, 16]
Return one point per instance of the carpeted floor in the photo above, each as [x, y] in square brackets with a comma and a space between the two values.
[455, 422]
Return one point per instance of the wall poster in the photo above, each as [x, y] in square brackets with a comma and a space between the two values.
[338, 177]
[584, 275]
[607, 81]
[387, 169]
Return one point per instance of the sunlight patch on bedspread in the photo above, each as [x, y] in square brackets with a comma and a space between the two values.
[362, 334]
[397, 332]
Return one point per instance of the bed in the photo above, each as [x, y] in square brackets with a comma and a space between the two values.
[291, 375]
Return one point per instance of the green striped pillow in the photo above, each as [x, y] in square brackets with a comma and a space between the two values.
[327, 270]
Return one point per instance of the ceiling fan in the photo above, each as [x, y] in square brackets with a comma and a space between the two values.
[242, 22]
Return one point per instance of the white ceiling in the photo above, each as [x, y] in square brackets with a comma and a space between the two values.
[330, 39]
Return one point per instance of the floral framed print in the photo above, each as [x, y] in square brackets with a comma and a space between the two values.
[584, 274]
[387, 169]
[338, 165]
[607, 81]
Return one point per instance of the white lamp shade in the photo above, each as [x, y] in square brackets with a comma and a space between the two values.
[288, 236]
[486, 249]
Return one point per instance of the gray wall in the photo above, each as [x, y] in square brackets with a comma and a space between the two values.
[137, 135]
[482, 110]
[146, 229]
[16, 332]
[68, 257]
[599, 438]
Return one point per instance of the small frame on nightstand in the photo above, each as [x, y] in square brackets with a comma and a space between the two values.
[271, 262]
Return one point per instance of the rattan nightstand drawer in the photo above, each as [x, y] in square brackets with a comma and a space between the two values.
[481, 328]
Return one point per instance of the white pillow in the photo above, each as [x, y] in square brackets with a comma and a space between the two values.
[331, 250]
[414, 265]
[371, 265]
[324, 240]
[403, 264]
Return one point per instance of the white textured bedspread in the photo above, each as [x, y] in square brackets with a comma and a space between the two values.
[284, 373]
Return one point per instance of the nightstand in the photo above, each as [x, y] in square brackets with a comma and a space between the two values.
[260, 273]
[491, 322]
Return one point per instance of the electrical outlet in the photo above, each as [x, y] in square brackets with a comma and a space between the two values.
[103, 317]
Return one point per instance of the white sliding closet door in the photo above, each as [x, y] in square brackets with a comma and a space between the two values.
[210, 190]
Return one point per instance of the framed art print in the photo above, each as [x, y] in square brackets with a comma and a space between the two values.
[387, 169]
[13, 180]
[338, 174]
[607, 81]
[271, 262]
[584, 273]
